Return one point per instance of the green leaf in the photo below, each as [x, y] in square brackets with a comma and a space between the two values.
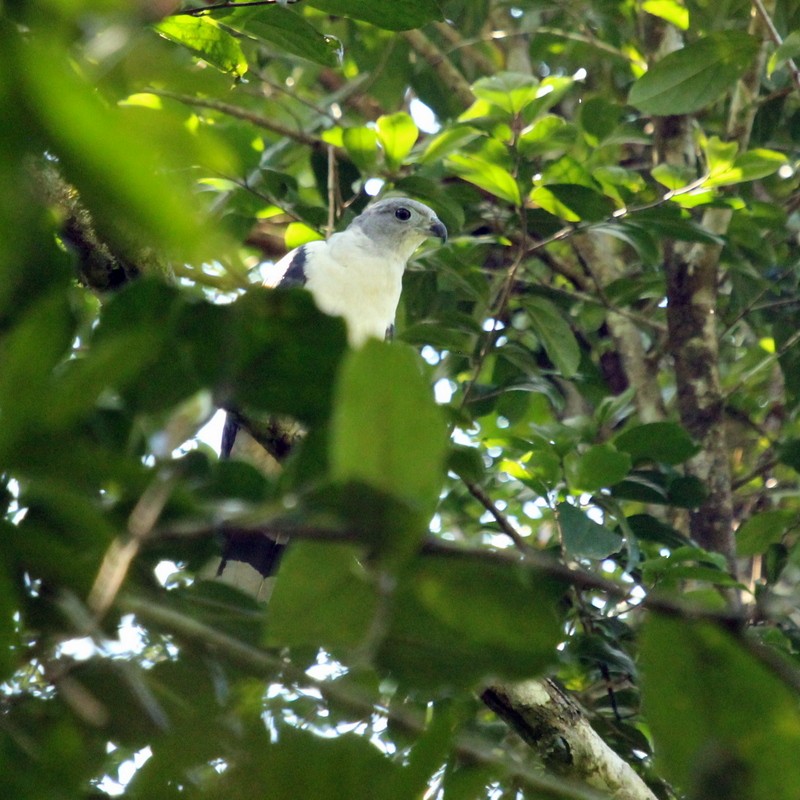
[548, 134]
[9, 630]
[450, 139]
[714, 710]
[511, 91]
[206, 39]
[674, 226]
[789, 453]
[30, 352]
[298, 234]
[673, 176]
[144, 318]
[573, 202]
[301, 764]
[789, 48]
[687, 491]
[555, 334]
[601, 465]
[584, 537]
[113, 164]
[289, 31]
[687, 563]
[487, 175]
[361, 144]
[637, 236]
[664, 442]
[322, 598]
[392, 16]
[761, 530]
[387, 430]
[649, 529]
[695, 76]
[466, 462]
[653, 486]
[274, 351]
[397, 134]
[456, 620]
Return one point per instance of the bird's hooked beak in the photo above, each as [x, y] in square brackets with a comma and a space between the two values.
[438, 230]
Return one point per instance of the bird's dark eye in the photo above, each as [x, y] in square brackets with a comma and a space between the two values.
[402, 214]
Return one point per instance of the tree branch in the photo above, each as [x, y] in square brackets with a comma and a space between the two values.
[791, 65]
[358, 702]
[553, 723]
[100, 268]
[241, 113]
[441, 65]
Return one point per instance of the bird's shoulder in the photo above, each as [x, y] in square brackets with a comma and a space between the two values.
[291, 270]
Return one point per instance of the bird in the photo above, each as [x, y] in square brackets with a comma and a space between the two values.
[356, 274]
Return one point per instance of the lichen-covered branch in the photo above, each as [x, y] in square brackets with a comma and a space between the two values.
[554, 725]
[98, 266]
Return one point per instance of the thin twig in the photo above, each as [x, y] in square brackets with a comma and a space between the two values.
[564, 34]
[483, 64]
[122, 551]
[530, 557]
[453, 80]
[501, 519]
[196, 12]
[241, 113]
[777, 39]
[770, 358]
[333, 185]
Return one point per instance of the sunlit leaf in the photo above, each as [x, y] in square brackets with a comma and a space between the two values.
[548, 134]
[673, 12]
[673, 176]
[789, 48]
[492, 177]
[361, 144]
[397, 134]
[511, 91]
[297, 234]
[206, 39]
[749, 166]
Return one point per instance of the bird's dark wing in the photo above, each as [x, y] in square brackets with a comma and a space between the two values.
[229, 431]
[256, 549]
[295, 274]
[259, 550]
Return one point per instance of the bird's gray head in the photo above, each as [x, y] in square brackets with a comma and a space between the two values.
[400, 224]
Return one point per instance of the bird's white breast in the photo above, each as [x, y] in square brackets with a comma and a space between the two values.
[350, 277]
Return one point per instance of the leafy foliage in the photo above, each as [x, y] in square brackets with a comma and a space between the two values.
[509, 491]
